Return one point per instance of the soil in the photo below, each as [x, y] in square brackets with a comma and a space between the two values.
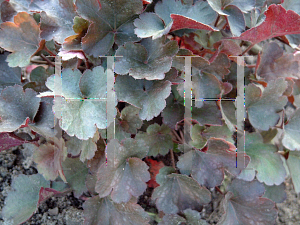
[67, 210]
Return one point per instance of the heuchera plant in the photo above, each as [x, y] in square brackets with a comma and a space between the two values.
[110, 172]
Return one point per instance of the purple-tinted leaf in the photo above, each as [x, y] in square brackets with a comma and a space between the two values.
[274, 63]
[49, 158]
[99, 211]
[75, 172]
[263, 107]
[21, 37]
[150, 59]
[149, 96]
[264, 159]
[17, 107]
[86, 148]
[22, 200]
[192, 217]
[158, 139]
[186, 192]
[125, 174]
[243, 204]
[207, 168]
[113, 23]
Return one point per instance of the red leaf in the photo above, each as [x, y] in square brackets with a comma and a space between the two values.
[155, 166]
[9, 140]
[182, 22]
[278, 22]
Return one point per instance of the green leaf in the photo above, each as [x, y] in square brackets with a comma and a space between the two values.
[113, 23]
[21, 37]
[275, 193]
[186, 192]
[104, 211]
[125, 174]
[293, 163]
[150, 59]
[86, 148]
[82, 117]
[263, 107]
[149, 24]
[207, 168]
[49, 158]
[158, 139]
[8, 76]
[243, 205]
[38, 78]
[22, 201]
[149, 96]
[291, 138]
[264, 159]
[17, 107]
[75, 172]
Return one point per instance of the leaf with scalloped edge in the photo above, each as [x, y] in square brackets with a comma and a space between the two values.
[17, 107]
[276, 193]
[104, 211]
[56, 18]
[125, 174]
[291, 138]
[207, 168]
[293, 163]
[186, 192]
[19, 207]
[263, 107]
[274, 63]
[49, 158]
[112, 22]
[83, 116]
[243, 204]
[9, 76]
[22, 38]
[150, 59]
[75, 172]
[265, 160]
[173, 15]
[192, 217]
[85, 148]
[158, 139]
[149, 96]
[278, 22]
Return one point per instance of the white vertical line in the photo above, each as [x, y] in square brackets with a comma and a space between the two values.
[58, 95]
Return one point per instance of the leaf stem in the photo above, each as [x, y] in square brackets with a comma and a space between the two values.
[49, 51]
[247, 49]
[218, 189]
[47, 60]
[172, 159]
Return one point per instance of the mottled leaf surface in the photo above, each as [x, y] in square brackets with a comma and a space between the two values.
[99, 211]
[150, 59]
[243, 204]
[263, 107]
[149, 96]
[186, 192]
[192, 217]
[21, 37]
[276, 193]
[112, 22]
[125, 174]
[16, 107]
[264, 159]
[207, 168]
[158, 139]
[19, 207]
[291, 139]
